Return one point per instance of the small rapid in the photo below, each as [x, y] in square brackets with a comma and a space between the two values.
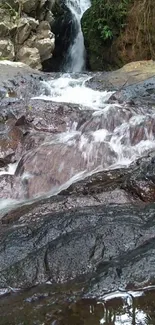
[99, 135]
[76, 56]
[70, 89]
[76, 203]
[129, 133]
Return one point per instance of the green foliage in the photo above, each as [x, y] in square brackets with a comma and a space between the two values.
[2, 58]
[105, 31]
[106, 18]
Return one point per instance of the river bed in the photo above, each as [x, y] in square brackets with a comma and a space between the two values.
[62, 305]
[77, 199]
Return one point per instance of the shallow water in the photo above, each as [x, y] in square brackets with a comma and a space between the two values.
[63, 305]
[115, 135]
[112, 136]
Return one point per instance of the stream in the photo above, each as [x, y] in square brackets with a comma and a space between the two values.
[77, 194]
[96, 135]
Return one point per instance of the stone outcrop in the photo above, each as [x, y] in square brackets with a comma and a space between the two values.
[25, 34]
[100, 229]
[7, 49]
[64, 29]
[118, 32]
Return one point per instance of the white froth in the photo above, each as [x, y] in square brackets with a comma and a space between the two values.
[100, 135]
[105, 148]
[9, 170]
[128, 312]
[69, 90]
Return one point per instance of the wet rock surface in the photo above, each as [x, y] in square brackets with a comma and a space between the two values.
[110, 227]
[100, 227]
[65, 243]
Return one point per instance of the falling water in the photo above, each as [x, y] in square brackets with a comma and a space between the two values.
[75, 61]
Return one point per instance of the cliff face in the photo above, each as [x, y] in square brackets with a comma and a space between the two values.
[25, 31]
[119, 31]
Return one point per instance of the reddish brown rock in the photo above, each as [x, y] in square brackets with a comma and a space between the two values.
[10, 141]
[52, 165]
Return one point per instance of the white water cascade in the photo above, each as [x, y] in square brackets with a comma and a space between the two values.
[76, 56]
[112, 136]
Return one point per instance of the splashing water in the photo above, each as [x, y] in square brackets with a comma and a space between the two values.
[67, 89]
[113, 136]
[128, 133]
[110, 136]
[76, 56]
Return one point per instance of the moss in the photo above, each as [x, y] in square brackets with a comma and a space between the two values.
[119, 31]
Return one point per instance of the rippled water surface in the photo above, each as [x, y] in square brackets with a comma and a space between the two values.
[110, 135]
[62, 305]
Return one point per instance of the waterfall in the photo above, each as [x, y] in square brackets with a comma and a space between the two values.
[75, 61]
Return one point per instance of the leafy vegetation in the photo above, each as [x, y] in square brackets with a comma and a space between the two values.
[106, 18]
[119, 31]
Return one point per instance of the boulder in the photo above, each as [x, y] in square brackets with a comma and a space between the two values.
[7, 50]
[112, 243]
[17, 23]
[4, 30]
[23, 30]
[63, 161]
[30, 56]
[50, 17]
[64, 30]
[33, 23]
[45, 47]
[45, 41]
[30, 6]
[10, 141]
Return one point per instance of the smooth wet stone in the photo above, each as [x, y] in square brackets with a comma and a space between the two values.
[11, 140]
[52, 165]
[134, 78]
[6, 186]
[58, 246]
[99, 227]
[45, 118]
[141, 183]
[109, 119]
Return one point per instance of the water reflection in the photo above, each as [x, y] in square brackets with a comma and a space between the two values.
[62, 305]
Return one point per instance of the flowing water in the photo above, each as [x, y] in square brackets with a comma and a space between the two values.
[109, 135]
[112, 135]
[125, 133]
[75, 61]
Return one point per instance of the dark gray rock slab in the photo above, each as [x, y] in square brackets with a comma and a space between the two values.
[109, 241]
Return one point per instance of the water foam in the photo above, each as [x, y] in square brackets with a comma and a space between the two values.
[113, 136]
[123, 138]
[128, 312]
[9, 170]
[67, 89]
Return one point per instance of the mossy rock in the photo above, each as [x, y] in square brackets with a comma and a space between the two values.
[119, 31]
